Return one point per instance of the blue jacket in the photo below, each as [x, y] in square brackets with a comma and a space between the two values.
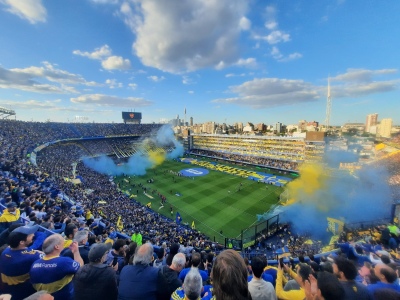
[139, 281]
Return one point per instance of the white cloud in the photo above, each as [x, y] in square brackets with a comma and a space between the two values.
[108, 61]
[235, 75]
[187, 80]
[191, 92]
[113, 84]
[271, 25]
[244, 23]
[108, 100]
[248, 62]
[156, 78]
[196, 34]
[269, 92]
[276, 36]
[361, 75]
[105, 1]
[54, 105]
[30, 79]
[364, 88]
[277, 55]
[116, 63]
[31, 10]
[132, 86]
[98, 53]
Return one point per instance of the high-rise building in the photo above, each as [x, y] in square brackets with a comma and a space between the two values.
[372, 120]
[385, 128]
[191, 121]
[278, 127]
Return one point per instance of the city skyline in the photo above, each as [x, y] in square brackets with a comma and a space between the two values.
[223, 61]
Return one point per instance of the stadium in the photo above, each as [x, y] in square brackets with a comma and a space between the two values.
[203, 192]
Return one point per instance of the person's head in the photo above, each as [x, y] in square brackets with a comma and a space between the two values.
[143, 255]
[344, 269]
[22, 236]
[303, 272]
[327, 267]
[178, 262]
[258, 264]
[98, 253]
[196, 259]
[81, 237]
[314, 266]
[53, 245]
[11, 207]
[41, 295]
[118, 245]
[385, 273]
[311, 256]
[192, 284]
[229, 276]
[329, 286]
[160, 253]
[70, 231]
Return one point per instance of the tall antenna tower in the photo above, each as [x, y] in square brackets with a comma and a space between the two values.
[328, 106]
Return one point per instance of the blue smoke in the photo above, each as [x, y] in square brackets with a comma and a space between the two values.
[360, 197]
[137, 164]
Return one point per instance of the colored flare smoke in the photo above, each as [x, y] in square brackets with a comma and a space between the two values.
[360, 197]
[138, 163]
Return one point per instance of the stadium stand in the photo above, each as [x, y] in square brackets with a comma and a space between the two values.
[39, 195]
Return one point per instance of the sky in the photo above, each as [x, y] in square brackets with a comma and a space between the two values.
[223, 60]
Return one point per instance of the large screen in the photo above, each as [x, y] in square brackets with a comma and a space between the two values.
[131, 115]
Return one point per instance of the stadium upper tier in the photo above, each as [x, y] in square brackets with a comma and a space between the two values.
[276, 152]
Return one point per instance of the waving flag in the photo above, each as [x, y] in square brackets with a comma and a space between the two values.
[178, 218]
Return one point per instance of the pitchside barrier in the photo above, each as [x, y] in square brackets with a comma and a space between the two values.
[268, 227]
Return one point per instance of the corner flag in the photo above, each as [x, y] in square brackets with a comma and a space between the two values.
[178, 218]
[193, 226]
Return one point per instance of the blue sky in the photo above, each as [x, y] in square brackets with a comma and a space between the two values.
[224, 60]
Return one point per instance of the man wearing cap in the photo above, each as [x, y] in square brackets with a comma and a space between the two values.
[54, 273]
[10, 214]
[16, 261]
[96, 280]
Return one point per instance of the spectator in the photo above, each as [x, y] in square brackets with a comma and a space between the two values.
[141, 281]
[81, 237]
[192, 286]
[171, 273]
[387, 277]
[16, 261]
[172, 251]
[303, 272]
[327, 287]
[54, 273]
[96, 280]
[386, 294]
[117, 254]
[259, 288]
[137, 237]
[346, 271]
[229, 275]
[10, 214]
[196, 260]
[69, 232]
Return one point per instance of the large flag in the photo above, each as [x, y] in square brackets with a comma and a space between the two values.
[120, 225]
[283, 252]
[335, 226]
[178, 218]
[193, 226]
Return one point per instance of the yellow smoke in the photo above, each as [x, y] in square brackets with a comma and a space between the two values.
[312, 179]
[156, 157]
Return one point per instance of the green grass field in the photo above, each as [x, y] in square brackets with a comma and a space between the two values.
[212, 201]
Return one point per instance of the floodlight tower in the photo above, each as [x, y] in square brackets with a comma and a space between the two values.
[328, 107]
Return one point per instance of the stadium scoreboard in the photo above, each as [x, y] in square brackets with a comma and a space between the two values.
[131, 117]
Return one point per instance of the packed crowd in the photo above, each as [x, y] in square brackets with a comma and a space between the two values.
[83, 257]
[253, 160]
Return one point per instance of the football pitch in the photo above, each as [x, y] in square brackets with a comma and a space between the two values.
[216, 202]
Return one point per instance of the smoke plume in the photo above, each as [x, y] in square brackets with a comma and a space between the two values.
[149, 156]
